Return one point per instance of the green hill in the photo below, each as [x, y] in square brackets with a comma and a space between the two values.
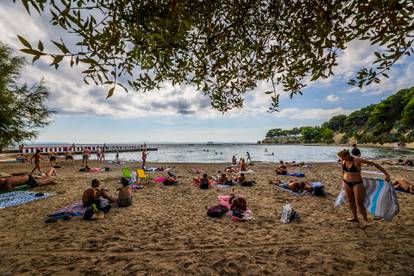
[389, 121]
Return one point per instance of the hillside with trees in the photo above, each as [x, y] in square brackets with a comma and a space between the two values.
[389, 121]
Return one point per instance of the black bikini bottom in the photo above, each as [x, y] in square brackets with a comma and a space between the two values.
[352, 184]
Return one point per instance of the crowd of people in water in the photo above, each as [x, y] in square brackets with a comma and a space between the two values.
[235, 174]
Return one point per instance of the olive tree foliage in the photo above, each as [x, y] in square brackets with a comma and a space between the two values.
[223, 47]
[22, 108]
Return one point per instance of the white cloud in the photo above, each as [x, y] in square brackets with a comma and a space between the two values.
[311, 113]
[332, 98]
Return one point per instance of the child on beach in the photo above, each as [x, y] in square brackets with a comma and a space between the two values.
[124, 193]
[223, 180]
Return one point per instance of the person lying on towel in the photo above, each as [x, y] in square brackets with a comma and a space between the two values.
[92, 194]
[243, 181]
[403, 185]
[294, 185]
[47, 178]
[282, 168]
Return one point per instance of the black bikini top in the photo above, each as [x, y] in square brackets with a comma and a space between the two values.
[352, 169]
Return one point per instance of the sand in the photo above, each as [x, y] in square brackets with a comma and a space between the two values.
[167, 232]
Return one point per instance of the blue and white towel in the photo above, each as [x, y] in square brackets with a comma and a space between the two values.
[380, 198]
[19, 198]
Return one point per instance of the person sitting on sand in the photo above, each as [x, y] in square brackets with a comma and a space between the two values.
[353, 184]
[223, 180]
[37, 159]
[204, 182]
[237, 203]
[124, 194]
[92, 194]
[403, 185]
[282, 168]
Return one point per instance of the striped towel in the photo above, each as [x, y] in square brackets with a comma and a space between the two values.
[380, 198]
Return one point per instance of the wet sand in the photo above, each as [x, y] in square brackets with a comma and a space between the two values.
[167, 232]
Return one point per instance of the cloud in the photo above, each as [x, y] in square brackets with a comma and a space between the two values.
[311, 113]
[332, 98]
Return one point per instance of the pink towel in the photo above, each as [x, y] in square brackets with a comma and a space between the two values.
[160, 179]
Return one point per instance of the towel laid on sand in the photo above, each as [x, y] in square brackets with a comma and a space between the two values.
[380, 198]
[284, 187]
[19, 198]
[75, 209]
[296, 174]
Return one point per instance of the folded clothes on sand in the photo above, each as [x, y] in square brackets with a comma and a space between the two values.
[19, 198]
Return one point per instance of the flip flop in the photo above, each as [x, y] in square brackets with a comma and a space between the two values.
[352, 220]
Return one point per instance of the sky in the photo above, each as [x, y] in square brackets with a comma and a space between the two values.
[180, 113]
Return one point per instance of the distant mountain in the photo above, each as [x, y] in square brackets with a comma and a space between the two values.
[389, 121]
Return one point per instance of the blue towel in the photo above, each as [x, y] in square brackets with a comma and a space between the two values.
[296, 174]
[18, 198]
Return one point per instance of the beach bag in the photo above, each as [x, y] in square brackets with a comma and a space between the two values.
[288, 214]
[319, 191]
[217, 211]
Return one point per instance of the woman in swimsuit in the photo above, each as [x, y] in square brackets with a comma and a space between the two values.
[353, 184]
[37, 159]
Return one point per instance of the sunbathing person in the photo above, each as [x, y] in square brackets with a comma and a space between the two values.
[403, 185]
[32, 180]
[171, 179]
[93, 194]
[124, 194]
[282, 168]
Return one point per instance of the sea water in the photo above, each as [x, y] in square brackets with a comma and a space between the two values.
[220, 153]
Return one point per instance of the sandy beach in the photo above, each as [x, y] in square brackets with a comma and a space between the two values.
[167, 232]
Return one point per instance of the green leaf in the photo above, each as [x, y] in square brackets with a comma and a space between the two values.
[40, 46]
[110, 92]
[31, 52]
[61, 46]
[24, 41]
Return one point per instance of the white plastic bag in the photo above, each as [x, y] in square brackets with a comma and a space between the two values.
[288, 214]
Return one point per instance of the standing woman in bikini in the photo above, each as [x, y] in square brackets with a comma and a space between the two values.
[353, 184]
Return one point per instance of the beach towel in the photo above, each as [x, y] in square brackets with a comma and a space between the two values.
[72, 210]
[296, 174]
[160, 179]
[380, 198]
[372, 172]
[19, 198]
[284, 187]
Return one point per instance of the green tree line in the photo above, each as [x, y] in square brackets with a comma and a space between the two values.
[389, 121]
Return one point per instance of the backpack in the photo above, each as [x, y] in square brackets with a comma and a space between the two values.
[319, 191]
[217, 211]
